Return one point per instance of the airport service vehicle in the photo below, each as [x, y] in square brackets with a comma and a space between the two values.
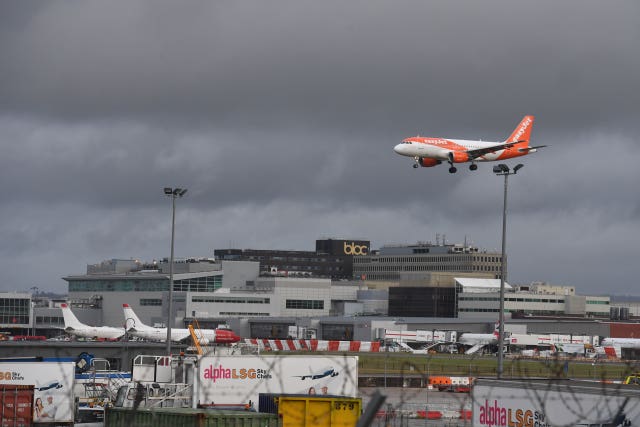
[136, 328]
[430, 151]
[162, 381]
[522, 403]
[37, 392]
[238, 379]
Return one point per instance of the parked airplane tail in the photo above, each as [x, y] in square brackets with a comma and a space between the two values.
[522, 132]
[131, 319]
[70, 319]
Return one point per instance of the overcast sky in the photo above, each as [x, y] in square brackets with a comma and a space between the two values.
[280, 118]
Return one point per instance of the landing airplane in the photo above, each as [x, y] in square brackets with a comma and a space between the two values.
[427, 151]
[136, 328]
[74, 327]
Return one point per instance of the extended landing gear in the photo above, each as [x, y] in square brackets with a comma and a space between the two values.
[453, 169]
[473, 166]
[415, 166]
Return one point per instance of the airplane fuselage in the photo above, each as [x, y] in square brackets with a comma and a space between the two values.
[621, 342]
[136, 328]
[440, 149]
[475, 339]
[105, 332]
[217, 336]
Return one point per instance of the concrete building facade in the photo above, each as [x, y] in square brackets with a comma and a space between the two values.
[390, 262]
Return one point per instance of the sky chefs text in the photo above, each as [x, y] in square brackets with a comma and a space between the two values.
[219, 372]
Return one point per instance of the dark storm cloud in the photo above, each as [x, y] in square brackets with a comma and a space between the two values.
[280, 119]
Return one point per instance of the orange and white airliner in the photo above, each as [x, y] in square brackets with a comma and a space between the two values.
[429, 152]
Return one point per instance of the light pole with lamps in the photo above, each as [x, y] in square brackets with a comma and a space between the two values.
[173, 193]
[503, 170]
[34, 292]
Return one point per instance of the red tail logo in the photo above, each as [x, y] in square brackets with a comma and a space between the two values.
[522, 132]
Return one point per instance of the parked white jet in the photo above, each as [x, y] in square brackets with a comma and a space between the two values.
[74, 327]
[468, 338]
[136, 328]
[621, 342]
[478, 341]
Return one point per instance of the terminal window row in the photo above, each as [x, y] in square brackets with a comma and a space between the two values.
[305, 304]
[541, 300]
[232, 300]
[241, 313]
[423, 259]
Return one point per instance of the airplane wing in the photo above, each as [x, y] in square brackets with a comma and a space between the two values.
[474, 154]
[530, 148]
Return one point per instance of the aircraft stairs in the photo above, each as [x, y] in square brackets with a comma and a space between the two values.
[474, 349]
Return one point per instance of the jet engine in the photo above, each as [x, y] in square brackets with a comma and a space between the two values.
[458, 157]
[427, 163]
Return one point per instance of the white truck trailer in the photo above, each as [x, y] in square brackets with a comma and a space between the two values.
[542, 403]
[46, 392]
[240, 379]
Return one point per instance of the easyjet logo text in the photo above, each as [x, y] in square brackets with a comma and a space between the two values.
[353, 249]
[221, 373]
[495, 415]
[523, 127]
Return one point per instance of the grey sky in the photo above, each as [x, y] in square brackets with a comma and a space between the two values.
[280, 118]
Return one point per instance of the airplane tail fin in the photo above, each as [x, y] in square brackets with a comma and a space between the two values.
[70, 319]
[131, 319]
[522, 133]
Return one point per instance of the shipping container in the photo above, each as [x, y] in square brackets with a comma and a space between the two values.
[305, 411]
[16, 403]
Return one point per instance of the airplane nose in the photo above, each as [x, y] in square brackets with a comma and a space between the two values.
[228, 336]
[398, 148]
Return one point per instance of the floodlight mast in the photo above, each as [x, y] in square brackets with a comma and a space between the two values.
[504, 170]
[173, 193]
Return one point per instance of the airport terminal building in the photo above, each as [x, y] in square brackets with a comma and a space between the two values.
[261, 293]
[390, 262]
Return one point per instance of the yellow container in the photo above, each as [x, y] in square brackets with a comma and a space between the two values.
[304, 411]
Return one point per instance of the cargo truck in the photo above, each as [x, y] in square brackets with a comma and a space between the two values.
[547, 402]
[240, 379]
